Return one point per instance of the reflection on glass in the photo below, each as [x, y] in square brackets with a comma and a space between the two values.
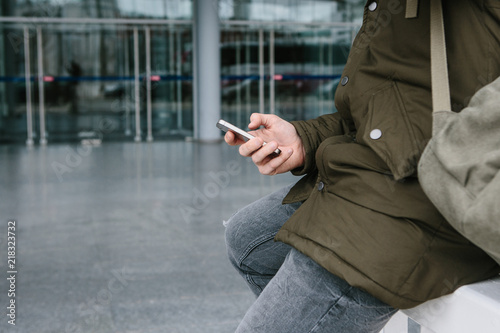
[291, 10]
[88, 82]
[13, 121]
[170, 9]
[307, 67]
[253, 10]
[84, 81]
[171, 76]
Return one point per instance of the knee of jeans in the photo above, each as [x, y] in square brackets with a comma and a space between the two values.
[239, 236]
[232, 239]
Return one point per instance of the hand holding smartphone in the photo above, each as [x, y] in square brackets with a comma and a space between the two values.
[245, 136]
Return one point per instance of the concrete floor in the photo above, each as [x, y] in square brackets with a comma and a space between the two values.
[124, 237]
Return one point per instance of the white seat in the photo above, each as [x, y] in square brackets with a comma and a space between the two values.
[471, 308]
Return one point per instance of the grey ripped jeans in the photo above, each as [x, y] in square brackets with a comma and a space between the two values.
[294, 294]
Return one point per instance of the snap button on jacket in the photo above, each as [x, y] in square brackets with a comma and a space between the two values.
[370, 223]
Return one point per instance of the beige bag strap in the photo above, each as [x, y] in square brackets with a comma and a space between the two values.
[411, 8]
[439, 65]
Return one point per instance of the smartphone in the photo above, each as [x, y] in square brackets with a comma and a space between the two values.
[243, 135]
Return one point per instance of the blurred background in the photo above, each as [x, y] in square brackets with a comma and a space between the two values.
[110, 162]
[70, 67]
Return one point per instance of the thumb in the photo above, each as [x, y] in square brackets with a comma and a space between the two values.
[260, 119]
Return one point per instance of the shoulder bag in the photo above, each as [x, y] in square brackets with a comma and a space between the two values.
[459, 168]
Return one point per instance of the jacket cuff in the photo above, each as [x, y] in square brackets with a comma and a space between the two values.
[309, 147]
[313, 132]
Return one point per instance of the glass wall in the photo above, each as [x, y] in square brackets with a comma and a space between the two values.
[299, 11]
[286, 71]
[89, 88]
[86, 82]
[160, 9]
[172, 84]
[284, 56]
[123, 69]
[13, 121]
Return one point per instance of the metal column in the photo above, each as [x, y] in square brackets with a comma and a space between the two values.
[137, 87]
[261, 71]
[171, 66]
[321, 71]
[238, 73]
[271, 73]
[179, 82]
[330, 70]
[196, 125]
[248, 96]
[207, 53]
[148, 84]
[128, 93]
[27, 76]
[43, 134]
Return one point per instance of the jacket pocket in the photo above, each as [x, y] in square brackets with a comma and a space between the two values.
[387, 130]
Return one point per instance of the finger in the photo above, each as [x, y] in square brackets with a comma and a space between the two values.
[274, 166]
[262, 155]
[233, 139]
[230, 138]
[251, 146]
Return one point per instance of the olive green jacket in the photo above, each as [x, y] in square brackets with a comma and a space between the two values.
[364, 216]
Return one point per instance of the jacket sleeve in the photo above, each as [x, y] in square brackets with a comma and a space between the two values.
[313, 132]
